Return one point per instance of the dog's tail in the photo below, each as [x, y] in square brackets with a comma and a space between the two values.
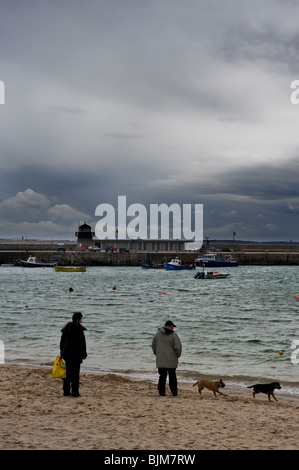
[195, 384]
[250, 386]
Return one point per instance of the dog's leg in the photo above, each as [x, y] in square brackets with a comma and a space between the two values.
[274, 396]
[269, 393]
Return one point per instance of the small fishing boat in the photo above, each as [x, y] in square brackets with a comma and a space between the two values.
[210, 275]
[176, 265]
[152, 266]
[32, 263]
[211, 260]
[69, 269]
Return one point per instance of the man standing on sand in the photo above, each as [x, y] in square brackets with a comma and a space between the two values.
[167, 348]
[73, 351]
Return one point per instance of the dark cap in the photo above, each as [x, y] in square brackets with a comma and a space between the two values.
[169, 323]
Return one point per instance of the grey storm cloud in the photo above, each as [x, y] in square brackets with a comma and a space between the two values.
[185, 102]
[26, 200]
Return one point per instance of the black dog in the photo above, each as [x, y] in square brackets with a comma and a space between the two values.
[265, 388]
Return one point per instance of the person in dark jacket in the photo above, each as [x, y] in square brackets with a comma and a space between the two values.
[73, 351]
[167, 348]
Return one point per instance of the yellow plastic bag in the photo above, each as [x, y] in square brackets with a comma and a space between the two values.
[59, 369]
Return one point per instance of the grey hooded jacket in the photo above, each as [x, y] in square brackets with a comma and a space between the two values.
[167, 348]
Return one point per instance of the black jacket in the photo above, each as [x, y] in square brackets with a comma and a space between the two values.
[72, 343]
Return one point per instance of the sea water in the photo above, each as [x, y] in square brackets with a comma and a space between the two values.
[231, 328]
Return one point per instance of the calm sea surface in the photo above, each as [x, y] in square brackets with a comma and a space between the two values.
[232, 328]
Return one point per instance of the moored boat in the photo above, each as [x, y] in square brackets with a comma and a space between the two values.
[211, 260]
[32, 263]
[152, 265]
[67, 269]
[210, 275]
[176, 265]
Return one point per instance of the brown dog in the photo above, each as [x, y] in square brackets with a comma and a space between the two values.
[212, 385]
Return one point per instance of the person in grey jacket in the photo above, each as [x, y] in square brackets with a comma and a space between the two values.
[167, 348]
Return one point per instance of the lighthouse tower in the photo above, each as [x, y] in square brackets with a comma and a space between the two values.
[84, 235]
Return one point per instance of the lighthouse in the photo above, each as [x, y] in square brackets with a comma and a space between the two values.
[84, 235]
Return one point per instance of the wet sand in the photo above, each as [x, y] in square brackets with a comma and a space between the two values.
[116, 413]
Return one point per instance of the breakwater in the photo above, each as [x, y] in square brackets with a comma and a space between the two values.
[13, 253]
[86, 258]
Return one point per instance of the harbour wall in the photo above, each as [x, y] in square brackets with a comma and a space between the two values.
[78, 258]
[13, 253]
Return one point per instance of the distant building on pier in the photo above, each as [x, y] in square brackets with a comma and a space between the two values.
[85, 238]
[84, 235]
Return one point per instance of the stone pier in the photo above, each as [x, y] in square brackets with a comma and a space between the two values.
[14, 252]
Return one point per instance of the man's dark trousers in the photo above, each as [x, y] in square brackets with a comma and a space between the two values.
[173, 384]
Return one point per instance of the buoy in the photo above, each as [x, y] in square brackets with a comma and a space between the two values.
[164, 292]
[280, 353]
[264, 289]
[114, 287]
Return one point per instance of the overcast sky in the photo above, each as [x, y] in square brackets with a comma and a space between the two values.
[163, 101]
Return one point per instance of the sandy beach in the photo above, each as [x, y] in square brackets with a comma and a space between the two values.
[116, 413]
